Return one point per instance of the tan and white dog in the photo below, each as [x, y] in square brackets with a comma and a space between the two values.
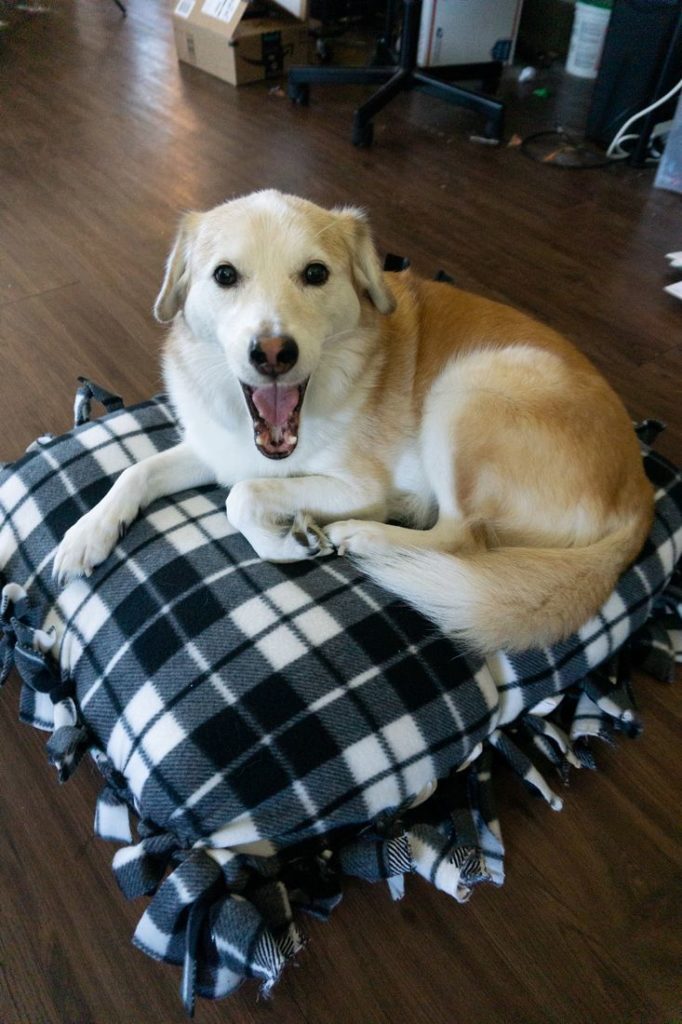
[322, 391]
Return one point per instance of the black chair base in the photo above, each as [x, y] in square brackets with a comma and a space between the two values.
[405, 76]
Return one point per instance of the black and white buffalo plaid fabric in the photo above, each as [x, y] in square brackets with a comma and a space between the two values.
[272, 727]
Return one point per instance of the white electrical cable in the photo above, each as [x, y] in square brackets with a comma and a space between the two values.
[660, 130]
[615, 150]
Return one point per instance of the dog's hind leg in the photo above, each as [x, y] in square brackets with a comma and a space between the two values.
[359, 537]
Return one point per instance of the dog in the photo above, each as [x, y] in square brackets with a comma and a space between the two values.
[468, 457]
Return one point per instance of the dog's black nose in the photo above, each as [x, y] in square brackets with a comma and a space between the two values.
[273, 354]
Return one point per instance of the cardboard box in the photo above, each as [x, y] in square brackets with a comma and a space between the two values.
[215, 36]
[467, 31]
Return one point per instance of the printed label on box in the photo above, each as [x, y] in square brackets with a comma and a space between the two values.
[224, 10]
[185, 8]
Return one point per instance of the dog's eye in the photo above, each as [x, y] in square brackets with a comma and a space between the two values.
[315, 274]
[225, 275]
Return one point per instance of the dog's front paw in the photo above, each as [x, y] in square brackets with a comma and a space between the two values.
[274, 534]
[356, 536]
[274, 544]
[88, 543]
[309, 536]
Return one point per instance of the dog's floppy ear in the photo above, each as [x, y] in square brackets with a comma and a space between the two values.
[173, 292]
[366, 266]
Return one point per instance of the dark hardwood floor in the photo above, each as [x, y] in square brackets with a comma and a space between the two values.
[104, 139]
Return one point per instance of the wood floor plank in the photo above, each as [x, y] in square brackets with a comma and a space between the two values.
[104, 141]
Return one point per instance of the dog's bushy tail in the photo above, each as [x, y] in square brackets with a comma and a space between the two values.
[507, 598]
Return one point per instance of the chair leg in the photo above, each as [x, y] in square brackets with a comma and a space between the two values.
[362, 127]
[491, 108]
[301, 78]
[488, 74]
[393, 80]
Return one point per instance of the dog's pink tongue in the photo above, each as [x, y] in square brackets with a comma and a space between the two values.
[276, 402]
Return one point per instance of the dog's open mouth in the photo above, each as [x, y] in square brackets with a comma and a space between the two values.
[275, 410]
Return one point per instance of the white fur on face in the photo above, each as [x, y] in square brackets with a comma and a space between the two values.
[270, 241]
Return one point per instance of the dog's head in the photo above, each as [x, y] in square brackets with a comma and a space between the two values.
[277, 283]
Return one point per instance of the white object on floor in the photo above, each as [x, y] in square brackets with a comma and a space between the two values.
[674, 289]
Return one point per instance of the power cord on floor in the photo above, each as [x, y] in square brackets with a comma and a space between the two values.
[616, 151]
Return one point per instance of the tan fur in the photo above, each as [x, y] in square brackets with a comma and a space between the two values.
[548, 471]
[558, 429]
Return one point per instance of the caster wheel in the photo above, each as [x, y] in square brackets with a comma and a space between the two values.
[363, 134]
[299, 93]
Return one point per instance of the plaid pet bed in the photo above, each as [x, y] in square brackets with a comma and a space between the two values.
[272, 727]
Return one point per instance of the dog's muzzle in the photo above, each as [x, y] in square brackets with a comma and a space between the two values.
[275, 410]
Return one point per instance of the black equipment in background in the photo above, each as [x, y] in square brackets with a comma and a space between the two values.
[394, 79]
[641, 61]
